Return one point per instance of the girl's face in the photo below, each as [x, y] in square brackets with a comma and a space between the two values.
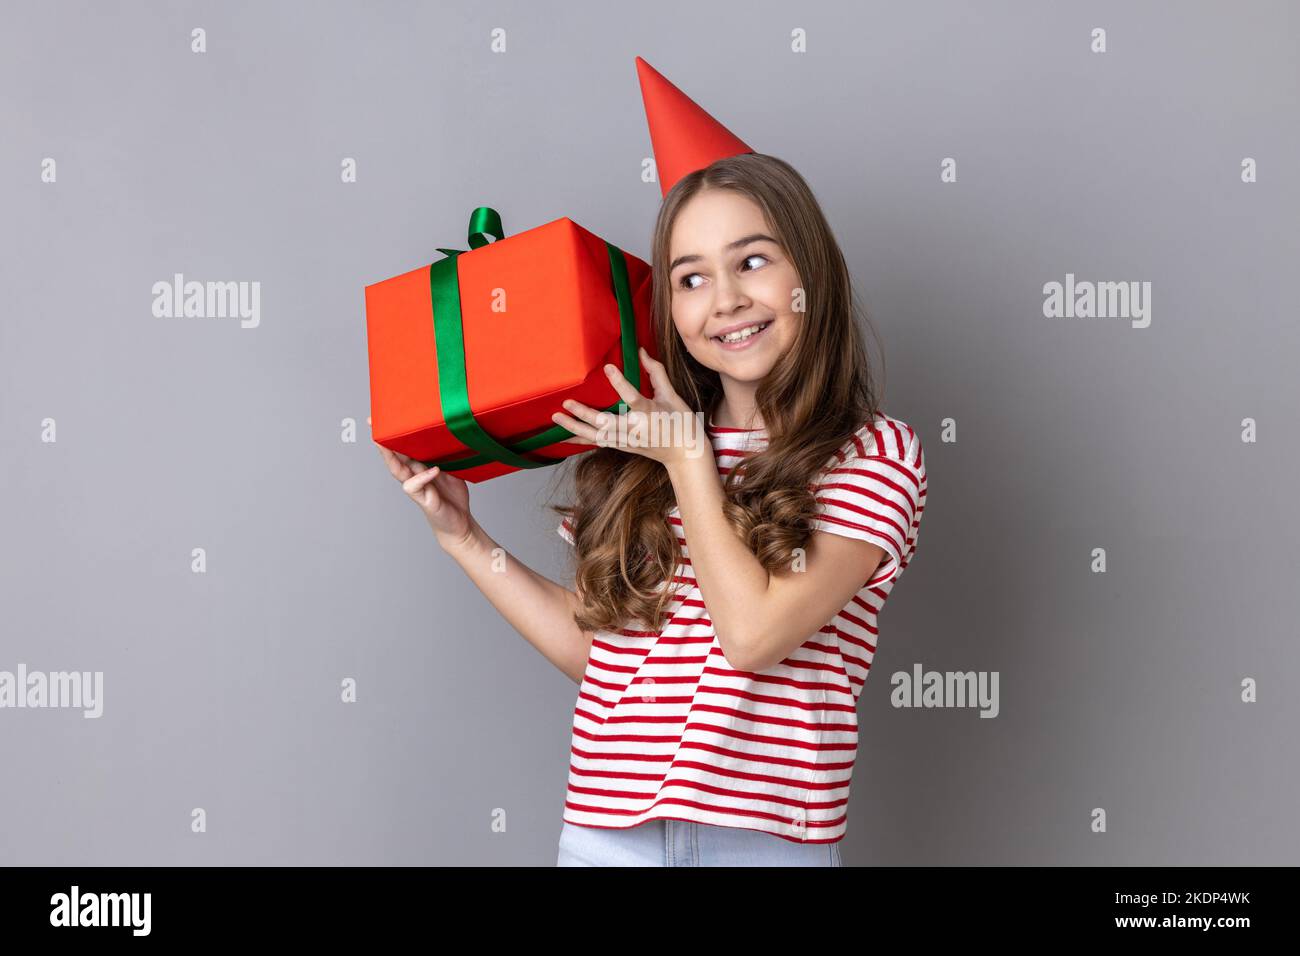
[728, 274]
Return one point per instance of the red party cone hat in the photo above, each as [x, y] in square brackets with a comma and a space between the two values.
[684, 137]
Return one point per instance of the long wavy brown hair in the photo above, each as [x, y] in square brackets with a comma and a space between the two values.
[817, 395]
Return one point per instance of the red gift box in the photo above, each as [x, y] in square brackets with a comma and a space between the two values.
[470, 356]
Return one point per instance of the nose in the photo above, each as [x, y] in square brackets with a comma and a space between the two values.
[729, 295]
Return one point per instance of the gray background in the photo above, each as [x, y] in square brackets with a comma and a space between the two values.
[1118, 690]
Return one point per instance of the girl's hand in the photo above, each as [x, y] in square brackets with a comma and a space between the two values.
[663, 428]
[442, 497]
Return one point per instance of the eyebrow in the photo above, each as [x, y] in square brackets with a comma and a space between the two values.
[756, 237]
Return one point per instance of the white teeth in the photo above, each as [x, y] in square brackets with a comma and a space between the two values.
[742, 333]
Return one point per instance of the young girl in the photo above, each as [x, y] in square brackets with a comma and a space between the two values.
[716, 715]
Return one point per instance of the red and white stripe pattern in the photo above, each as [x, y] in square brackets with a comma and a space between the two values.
[664, 727]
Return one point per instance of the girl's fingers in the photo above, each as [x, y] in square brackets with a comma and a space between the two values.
[401, 466]
[579, 429]
[626, 390]
[395, 466]
[417, 482]
[592, 416]
[582, 412]
[664, 391]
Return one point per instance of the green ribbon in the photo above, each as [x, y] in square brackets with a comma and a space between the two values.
[453, 385]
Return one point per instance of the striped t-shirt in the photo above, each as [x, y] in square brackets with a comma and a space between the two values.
[664, 727]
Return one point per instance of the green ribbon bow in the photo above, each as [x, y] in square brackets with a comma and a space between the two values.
[453, 387]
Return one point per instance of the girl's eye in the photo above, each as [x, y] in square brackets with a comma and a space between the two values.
[683, 282]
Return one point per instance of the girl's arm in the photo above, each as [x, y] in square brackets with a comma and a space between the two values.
[538, 608]
[760, 618]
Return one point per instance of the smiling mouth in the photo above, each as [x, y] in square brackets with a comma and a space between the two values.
[742, 334]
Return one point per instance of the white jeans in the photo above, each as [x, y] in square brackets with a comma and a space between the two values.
[687, 843]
